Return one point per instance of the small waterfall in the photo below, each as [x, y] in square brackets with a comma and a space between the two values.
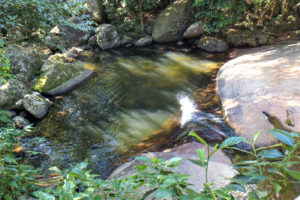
[187, 107]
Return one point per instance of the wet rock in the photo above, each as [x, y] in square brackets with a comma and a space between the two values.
[220, 166]
[93, 41]
[212, 44]
[194, 30]
[180, 43]
[36, 105]
[25, 62]
[260, 90]
[107, 36]
[125, 41]
[144, 41]
[20, 122]
[241, 38]
[59, 78]
[173, 21]
[97, 10]
[11, 92]
[64, 37]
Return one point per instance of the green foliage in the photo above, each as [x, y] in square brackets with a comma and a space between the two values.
[130, 15]
[16, 180]
[4, 64]
[270, 165]
[29, 16]
[218, 14]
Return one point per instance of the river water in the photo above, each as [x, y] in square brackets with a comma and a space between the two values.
[132, 97]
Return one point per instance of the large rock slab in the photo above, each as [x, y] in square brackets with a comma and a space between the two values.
[260, 90]
[173, 21]
[220, 166]
[60, 78]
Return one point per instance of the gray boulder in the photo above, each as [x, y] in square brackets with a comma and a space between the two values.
[241, 38]
[96, 9]
[144, 41]
[173, 21]
[11, 92]
[194, 30]
[107, 36]
[25, 62]
[64, 37]
[20, 122]
[212, 44]
[36, 105]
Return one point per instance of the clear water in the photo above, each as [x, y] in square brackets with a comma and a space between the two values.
[132, 95]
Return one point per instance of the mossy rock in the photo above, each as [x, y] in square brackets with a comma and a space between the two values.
[173, 21]
[61, 77]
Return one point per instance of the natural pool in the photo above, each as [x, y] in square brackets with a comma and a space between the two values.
[134, 93]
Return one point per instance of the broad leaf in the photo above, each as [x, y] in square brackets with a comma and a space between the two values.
[276, 186]
[143, 159]
[43, 195]
[163, 193]
[231, 141]
[292, 173]
[283, 137]
[196, 162]
[273, 153]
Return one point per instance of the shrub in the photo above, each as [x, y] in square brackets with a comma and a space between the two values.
[218, 14]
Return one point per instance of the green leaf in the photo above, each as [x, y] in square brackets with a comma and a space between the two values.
[273, 153]
[231, 141]
[235, 187]
[292, 173]
[196, 162]
[141, 167]
[256, 136]
[276, 186]
[173, 162]
[163, 193]
[201, 155]
[198, 137]
[281, 136]
[143, 159]
[55, 169]
[43, 196]
[10, 159]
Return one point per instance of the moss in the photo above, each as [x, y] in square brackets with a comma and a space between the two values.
[57, 74]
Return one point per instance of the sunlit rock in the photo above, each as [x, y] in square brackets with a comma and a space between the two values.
[194, 30]
[260, 90]
[36, 105]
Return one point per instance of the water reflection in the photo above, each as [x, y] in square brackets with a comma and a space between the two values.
[127, 102]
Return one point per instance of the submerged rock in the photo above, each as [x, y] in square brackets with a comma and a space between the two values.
[59, 78]
[260, 90]
[20, 122]
[107, 36]
[194, 30]
[212, 44]
[219, 171]
[64, 37]
[36, 105]
[173, 21]
[144, 41]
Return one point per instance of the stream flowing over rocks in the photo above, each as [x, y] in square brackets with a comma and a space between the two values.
[260, 90]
